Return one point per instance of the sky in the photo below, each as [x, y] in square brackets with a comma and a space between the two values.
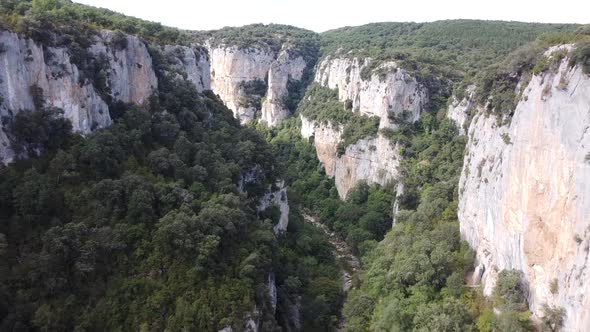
[322, 15]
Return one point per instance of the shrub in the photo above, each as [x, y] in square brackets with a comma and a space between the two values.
[251, 93]
[119, 40]
[581, 56]
[37, 96]
[553, 317]
[34, 132]
[554, 286]
[509, 289]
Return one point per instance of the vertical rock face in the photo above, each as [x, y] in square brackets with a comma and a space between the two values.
[131, 76]
[278, 198]
[191, 63]
[233, 69]
[283, 69]
[388, 93]
[374, 160]
[525, 194]
[458, 111]
[388, 90]
[230, 67]
[24, 64]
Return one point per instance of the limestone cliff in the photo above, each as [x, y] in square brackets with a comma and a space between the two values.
[131, 77]
[388, 92]
[458, 111]
[385, 91]
[525, 193]
[191, 63]
[374, 160]
[25, 64]
[278, 198]
[253, 82]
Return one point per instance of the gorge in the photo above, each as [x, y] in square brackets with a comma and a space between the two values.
[159, 179]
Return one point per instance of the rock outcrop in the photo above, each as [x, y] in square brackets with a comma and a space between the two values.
[191, 63]
[389, 93]
[131, 76]
[374, 160]
[26, 66]
[386, 91]
[253, 82]
[458, 111]
[278, 198]
[525, 194]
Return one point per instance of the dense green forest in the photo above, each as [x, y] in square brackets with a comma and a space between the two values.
[461, 46]
[143, 225]
[135, 225]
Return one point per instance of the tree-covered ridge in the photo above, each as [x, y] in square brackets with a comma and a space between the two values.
[271, 36]
[39, 19]
[464, 45]
[497, 84]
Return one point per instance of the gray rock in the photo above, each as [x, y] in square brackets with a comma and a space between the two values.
[525, 193]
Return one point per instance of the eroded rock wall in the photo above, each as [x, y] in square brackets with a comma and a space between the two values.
[525, 194]
[232, 67]
[25, 64]
[191, 63]
[387, 92]
[131, 76]
[374, 160]
[459, 110]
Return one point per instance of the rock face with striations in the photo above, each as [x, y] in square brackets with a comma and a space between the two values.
[386, 91]
[26, 65]
[374, 160]
[458, 111]
[131, 77]
[525, 194]
[191, 63]
[253, 82]
[389, 93]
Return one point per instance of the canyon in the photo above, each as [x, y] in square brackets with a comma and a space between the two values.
[524, 191]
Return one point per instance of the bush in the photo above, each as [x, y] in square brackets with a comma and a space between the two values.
[554, 286]
[553, 318]
[509, 289]
[251, 93]
[581, 56]
[34, 132]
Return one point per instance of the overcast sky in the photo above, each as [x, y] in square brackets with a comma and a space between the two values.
[321, 15]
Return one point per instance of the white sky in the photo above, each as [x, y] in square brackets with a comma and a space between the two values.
[321, 15]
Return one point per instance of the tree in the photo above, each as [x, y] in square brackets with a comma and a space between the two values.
[509, 289]
[451, 315]
[34, 132]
